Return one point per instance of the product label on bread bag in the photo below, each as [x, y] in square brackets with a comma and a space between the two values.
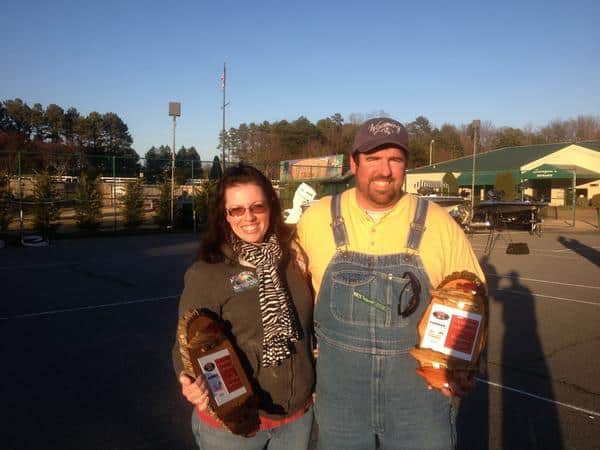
[223, 380]
[452, 331]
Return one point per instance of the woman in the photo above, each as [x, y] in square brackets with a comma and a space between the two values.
[247, 273]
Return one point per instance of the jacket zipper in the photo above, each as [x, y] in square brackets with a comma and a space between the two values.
[292, 384]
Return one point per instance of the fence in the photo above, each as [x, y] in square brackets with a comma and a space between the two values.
[71, 193]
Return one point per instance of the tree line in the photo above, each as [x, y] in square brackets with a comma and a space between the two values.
[52, 129]
[265, 144]
[56, 139]
[51, 133]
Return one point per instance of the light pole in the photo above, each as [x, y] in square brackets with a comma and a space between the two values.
[476, 125]
[431, 151]
[223, 88]
[174, 111]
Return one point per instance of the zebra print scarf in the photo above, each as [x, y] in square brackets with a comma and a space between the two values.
[278, 315]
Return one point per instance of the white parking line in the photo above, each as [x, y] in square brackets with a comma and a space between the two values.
[570, 250]
[87, 308]
[39, 266]
[545, 281]
[564, 257]
[538, 397]
[545, 253]
[551, 297]
[76, 262]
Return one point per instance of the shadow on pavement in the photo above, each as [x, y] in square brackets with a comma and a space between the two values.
[526, 422]
[589, 253]
[472, 424]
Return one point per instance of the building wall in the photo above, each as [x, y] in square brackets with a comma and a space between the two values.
[593, 188]
[558, 196]
[571, 154]
[414, 180]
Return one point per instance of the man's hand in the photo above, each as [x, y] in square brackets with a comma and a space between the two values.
[461, 383]
[195, 391]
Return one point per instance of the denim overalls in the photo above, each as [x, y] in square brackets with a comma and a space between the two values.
[367, 388]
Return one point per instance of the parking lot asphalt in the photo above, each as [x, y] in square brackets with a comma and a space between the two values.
[541, 388]
[87, 328]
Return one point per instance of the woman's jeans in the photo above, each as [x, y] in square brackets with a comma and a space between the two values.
[291, 436]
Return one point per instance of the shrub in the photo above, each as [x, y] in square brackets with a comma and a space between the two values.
[133, 205]
[505, 181]
[88, 202]
[425, 190]
[595, 202]
[287, 190]
[452, 183]
[163, 210]
[45, 197]
[202, 201]
[6, 199]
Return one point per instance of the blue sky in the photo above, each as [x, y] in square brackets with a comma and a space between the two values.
[514, 63]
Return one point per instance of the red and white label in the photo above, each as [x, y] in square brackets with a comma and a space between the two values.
[223, 380]
[452, 331]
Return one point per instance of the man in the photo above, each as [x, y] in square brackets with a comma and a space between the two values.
[384, 246]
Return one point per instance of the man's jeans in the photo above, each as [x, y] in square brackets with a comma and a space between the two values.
[378, 396]
[367, 387]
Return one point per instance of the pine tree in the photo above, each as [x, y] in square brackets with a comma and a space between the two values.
[45, 196]
[216, 171]
[88, 206]
[163, 213]
[204, 197]
[133, 205]
[6, 198]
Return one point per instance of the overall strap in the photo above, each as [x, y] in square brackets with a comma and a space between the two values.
[338, 227]
[417, 227]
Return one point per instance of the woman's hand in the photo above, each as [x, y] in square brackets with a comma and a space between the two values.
[195, 391]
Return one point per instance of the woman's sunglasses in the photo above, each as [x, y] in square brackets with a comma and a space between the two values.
[238, 211]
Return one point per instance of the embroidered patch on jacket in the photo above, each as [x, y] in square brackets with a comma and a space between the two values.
[243, 281]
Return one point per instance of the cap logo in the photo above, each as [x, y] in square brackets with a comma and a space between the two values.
[384, 128]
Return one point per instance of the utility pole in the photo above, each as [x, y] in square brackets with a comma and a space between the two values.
[20, 196]
[574, 194]
[431, 151]
[174, 111]
[223, 88]
[476, 125]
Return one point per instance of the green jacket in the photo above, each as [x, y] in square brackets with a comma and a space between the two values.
[230, 290]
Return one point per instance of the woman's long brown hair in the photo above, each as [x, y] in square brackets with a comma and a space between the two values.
[219, 231]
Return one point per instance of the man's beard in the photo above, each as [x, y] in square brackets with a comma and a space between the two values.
[386, 197]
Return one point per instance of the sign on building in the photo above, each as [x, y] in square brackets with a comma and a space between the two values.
[309, 168]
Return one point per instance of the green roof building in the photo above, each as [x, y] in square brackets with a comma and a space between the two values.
[546, 172]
